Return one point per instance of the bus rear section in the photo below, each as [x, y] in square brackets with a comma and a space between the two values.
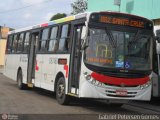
[117, 60]
[156, 63]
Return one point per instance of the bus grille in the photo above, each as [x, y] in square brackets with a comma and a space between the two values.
[112, 93]
[120, 85]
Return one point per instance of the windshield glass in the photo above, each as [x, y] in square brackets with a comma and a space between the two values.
[119, 49]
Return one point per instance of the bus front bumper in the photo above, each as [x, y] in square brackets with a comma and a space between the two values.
[88, 90]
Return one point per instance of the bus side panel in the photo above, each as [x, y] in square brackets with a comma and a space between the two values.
[48, 68]
[48, 71]
[38, 70]
[63, 68]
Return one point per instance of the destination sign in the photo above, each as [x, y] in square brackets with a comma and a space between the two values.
[121, 19]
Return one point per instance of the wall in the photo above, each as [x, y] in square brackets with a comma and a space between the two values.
[145, 8]
[2, 51]
[3, 39]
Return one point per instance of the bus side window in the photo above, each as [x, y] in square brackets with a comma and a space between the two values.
[53, 40]
[44, 40]
[15, 43]
[26, 43]
[20, 43]
[64, 39]
[9, 43]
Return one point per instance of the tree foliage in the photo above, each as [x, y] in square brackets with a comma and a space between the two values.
[79, 6]
[58, 16]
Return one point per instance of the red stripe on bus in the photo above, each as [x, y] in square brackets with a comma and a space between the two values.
[66, 69]
[44, 25]
[119, 81]
[37, 67]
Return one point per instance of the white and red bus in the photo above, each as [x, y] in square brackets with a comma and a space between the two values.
[101, 55]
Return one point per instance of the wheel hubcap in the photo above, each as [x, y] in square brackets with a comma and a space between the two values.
[60, 90]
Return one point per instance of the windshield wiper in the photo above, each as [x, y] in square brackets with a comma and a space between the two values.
[111, 38]
[134, 39]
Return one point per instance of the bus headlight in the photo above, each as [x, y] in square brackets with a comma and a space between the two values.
[91, 80]
[146, 85]
[87, 76]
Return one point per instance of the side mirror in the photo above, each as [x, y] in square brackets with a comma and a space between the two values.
[83, 34]
[157, 39]
[84, 37]
[158, 48]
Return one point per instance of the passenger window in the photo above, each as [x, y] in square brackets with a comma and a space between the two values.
[20, 43]
[9, 44]
[15, 43]
[44, 40]
[26, 42]
[64, 40]
[53, 40]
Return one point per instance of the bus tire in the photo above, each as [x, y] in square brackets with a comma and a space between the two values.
[20, 84]
[61, 97]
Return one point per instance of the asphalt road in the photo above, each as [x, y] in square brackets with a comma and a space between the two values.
[38, 101]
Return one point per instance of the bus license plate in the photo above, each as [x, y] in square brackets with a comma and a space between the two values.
[121, 92]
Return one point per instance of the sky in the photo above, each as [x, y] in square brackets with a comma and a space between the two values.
[23, 13]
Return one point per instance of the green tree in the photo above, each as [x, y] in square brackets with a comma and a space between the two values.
[58, 16]
[79, 6]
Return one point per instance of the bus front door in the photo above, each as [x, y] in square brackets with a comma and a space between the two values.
[75, 62]
[32, 63]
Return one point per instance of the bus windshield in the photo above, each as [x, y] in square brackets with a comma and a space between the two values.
[130, 50]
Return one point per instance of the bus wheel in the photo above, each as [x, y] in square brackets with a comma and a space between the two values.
[61, 97]
[20, 84]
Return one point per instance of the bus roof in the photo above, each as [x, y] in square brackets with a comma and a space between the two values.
[69, 18]
[61, 20]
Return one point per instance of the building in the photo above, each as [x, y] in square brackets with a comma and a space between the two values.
[3, 40]
[146, 8]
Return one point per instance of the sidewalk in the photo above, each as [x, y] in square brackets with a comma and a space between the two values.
[153, 105]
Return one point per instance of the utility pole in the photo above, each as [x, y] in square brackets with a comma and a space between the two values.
[118, 3]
